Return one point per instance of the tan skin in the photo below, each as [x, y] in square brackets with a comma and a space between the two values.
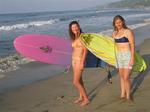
[78, 60]
[124, 73]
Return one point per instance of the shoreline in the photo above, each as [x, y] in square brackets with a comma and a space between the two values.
[28, 74]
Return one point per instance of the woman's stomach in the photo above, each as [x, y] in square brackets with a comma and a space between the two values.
[123, 47]
[77, 54]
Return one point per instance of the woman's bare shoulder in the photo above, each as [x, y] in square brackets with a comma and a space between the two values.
[129, 31]
[114, 34]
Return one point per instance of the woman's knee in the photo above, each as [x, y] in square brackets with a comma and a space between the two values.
[77, 77]
[127, 75]
[121, 76]
[76, 82]
[127, 78]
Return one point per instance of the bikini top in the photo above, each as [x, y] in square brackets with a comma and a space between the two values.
[121, 40]
[77, 45]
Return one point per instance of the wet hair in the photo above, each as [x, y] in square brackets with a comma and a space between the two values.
[123, 21]
[72, 35]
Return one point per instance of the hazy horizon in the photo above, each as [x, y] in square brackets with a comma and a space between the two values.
[24, 6]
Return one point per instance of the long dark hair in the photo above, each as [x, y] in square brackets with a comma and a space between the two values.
[123, 21]
[72, 35]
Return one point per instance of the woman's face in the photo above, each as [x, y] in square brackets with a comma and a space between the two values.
[75, 29]
[119, 24]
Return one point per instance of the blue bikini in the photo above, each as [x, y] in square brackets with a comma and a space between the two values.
[121, 40]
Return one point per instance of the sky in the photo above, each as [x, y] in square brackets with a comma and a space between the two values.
[17, 6]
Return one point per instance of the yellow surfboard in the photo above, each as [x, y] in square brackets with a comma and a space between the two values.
[104, 48]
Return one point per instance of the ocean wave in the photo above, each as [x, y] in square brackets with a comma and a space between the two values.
[135, 26]
[147, 20]
[138, 25]
[138, 15]
[112, 10]
[27, 25]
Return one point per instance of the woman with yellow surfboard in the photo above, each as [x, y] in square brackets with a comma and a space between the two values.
[125, 44]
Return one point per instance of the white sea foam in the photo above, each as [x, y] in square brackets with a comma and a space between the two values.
[138, 15]
[112, 10]
[27, 25]
[11, 63]
[147, 20]
[138, 25]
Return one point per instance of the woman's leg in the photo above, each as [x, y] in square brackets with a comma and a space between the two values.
[77, 81]
[83, 91]
[127, 83]
[74, 78]
[122, 83]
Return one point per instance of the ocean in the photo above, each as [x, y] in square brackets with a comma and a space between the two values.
[56, 23]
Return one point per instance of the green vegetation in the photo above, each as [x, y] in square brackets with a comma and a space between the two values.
[131, 3]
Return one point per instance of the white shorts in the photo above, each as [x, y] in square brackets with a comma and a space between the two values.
[123, 59]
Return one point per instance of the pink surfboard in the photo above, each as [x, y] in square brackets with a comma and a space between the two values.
[45, 48]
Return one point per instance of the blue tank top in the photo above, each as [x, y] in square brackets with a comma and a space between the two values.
[121, 40]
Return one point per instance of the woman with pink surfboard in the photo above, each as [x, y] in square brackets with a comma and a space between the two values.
[78, 61]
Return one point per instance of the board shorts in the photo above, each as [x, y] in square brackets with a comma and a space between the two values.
[123, 59]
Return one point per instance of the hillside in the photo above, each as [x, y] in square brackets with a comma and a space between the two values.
[130, 3]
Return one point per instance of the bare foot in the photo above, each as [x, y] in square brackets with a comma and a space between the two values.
[122, 98]
[84, 103]
[79, 100]
[130, 99]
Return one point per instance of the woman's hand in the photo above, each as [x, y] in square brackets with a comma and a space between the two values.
[131, 63]
[82, 64]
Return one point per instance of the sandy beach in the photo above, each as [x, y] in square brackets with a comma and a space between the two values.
[56, 94]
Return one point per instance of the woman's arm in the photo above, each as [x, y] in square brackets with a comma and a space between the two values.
[131, 38]
[84, 54]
